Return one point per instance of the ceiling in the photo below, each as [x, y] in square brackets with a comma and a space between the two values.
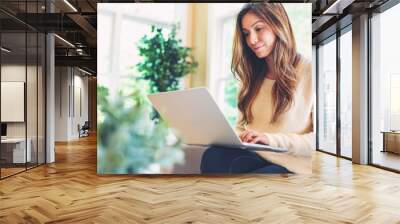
[76, 22]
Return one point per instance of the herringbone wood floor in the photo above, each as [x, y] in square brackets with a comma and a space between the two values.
[70, 191]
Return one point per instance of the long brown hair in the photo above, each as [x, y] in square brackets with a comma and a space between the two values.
[251, 70]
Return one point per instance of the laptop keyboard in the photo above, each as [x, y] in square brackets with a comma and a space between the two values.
[253, 146]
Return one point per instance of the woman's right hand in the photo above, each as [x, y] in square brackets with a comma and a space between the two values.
[251, 136]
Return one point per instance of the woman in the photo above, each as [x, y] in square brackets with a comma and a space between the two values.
[275, 97]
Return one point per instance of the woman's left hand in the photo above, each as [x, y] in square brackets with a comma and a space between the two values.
[251, 136]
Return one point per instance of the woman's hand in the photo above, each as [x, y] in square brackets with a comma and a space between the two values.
[251, 136]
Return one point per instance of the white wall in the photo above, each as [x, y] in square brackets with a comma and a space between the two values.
[80, 103]
[62, 81]
[71, 94]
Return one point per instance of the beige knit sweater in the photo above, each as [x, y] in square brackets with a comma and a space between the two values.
[294, 129]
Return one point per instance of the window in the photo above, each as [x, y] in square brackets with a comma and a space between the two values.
[121, 26]
[104, 38]
[333, 137]
[127, 49]
[394, 101]
[222, 84]
[227, 84]
[327, 96]
[385, 86]
[346, 93]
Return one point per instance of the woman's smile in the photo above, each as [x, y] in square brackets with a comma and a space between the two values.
[258, 48]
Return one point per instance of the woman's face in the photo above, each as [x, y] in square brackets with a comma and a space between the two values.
[258, 34]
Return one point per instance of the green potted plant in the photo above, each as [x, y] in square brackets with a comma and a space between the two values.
[165, 60]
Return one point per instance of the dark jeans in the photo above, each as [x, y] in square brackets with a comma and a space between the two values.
[217, 159]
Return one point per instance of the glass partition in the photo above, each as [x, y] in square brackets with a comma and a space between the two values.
[13, 109]
[31, 87]
[31, 99]
[41, 109]
[22, 77]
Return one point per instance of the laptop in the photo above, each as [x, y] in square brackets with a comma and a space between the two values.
[196, 117]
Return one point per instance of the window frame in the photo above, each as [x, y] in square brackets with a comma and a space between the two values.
[217, 75]
[371, 14]
[334, 37]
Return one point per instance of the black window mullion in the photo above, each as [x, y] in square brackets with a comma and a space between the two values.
[369, 100]
[317, 96]
[44, 79]
[37, 90]
[338, 82]
[45, 93]
[26, 86]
